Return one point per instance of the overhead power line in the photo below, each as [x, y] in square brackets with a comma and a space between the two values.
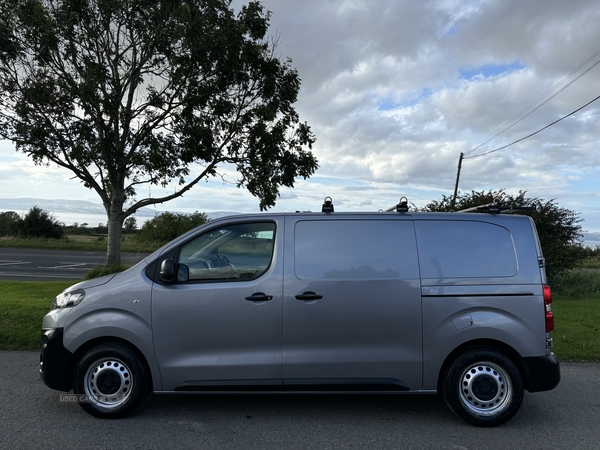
[545, 98]
[551, 93]
[534, 133]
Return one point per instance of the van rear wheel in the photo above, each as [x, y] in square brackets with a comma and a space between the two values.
[483, 387]
[110, 380]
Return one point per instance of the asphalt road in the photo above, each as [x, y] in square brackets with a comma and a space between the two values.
[32, 416]
[53, 265]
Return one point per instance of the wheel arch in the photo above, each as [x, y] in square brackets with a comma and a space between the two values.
[502, 347]
[88, 345]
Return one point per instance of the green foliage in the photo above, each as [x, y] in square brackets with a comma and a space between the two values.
[9, 223]
[37, 223]
[130, 225]
[558, 228]
[139, 93]
[587, 257]
[578, 283]
[102, 271]
[167, 226]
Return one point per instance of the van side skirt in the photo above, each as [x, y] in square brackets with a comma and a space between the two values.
[297, 385]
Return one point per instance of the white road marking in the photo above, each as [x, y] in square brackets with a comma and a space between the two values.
[67, 266]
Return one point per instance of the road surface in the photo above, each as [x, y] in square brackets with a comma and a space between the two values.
[32, 416]
[53, 265]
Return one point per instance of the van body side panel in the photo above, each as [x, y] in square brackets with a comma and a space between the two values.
[119, 309]
[485, 285]
[366, 325]
[507, 318]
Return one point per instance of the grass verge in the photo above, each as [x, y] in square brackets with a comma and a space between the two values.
[23, 304]
[577, 328]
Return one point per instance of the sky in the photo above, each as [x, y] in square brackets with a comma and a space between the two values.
[394, 92]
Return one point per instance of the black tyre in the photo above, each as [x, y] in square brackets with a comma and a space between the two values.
[483, 387]
[111, 380]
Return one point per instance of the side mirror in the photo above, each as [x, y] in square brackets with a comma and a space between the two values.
[167, 271]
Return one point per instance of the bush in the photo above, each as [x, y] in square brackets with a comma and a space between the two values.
[587, 257]
[558, 228]
[9, 223]
[105, 270]
[37, 223]
[577, 283]
[167, 226]
[130, 225]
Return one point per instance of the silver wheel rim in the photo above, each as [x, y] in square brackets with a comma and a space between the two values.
[485, 389]
[108, 383]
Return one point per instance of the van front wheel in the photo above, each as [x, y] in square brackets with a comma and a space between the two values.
[483, 387]
[110, 380]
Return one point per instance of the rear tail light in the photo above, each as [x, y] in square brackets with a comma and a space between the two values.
[548, 308]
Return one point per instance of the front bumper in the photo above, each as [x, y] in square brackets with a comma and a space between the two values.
[56, 368]
[544, 372]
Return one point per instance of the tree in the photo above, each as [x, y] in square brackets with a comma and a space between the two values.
[130, 225]
[9, 222]
[132, 93]
[167, 226]
[38, 223]
[558, 228]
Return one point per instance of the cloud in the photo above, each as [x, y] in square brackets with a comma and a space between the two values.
[396, 90]
[401, 88]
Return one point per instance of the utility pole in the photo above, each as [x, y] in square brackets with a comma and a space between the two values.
[452, 205]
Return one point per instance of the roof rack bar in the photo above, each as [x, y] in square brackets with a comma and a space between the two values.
[476, 208]
[498, 208]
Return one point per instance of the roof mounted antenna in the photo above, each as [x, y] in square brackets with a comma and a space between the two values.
[401, 207]
[327, 205]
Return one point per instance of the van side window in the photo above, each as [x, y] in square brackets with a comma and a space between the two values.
[465, 249]
[234, 252]
[355, 249]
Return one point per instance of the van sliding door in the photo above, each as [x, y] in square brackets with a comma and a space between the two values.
[352, 304]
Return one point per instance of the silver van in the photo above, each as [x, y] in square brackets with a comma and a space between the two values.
[394, 302]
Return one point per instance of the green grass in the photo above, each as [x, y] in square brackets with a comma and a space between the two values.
[576, 329]
[23, 304]
[576, 309]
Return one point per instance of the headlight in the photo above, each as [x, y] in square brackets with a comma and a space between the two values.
[68, 299]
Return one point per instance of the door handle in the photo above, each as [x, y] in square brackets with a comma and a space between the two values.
[259, 297]
[309, 295]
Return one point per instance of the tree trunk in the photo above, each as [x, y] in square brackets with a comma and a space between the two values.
[113, 249]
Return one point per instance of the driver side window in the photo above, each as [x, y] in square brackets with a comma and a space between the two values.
[233, 252]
